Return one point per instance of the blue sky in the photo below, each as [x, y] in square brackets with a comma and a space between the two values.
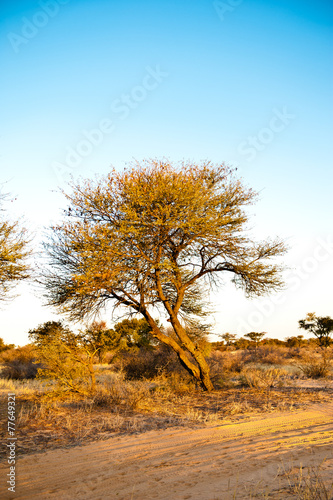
[87, 84]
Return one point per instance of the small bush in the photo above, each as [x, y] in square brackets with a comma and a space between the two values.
[316, 364]
[261, 378]
[69, 362]
[272, 355]
[295, 352]
[225, 362]
[23, 354]
[176, 383]
[18, 370]
[269, 355]
[20, 363]
[145, 364]
[119, 393]
[142, 365]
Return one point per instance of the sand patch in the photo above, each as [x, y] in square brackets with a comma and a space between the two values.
[180, 464]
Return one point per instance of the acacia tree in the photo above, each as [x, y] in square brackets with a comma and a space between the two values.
[153, 236]
[256, 338]
[13, 254]
[228, 338]
[320, 326]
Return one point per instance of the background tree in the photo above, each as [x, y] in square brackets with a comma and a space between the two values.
[242, 343]
[273, 342]
[256, 338]
[5, 347]
[152, 237]
[297, 341]
[320, 326]
[135, 333]
[48, 331]
[228, 338]
[14, 254]
[101, 339]
[19, 363]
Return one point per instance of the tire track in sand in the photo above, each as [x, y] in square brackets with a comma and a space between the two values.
[175, 463]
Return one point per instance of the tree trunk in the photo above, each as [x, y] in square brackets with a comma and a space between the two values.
[204, 372]
[204, 377]
[200, 372]
[201, 375]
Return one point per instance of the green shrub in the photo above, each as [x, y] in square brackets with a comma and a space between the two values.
[69, 364]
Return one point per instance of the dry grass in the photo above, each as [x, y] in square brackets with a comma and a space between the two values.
[268, 355]
[293, 483]
[316, 364]
[50, 419]
[28, 387]
[263, 378]
[307, 483]
[312, 485]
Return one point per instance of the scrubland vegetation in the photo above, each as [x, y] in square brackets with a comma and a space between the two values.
[155, 237]
[65, 396]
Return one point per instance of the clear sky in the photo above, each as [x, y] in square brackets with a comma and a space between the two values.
[87, 84]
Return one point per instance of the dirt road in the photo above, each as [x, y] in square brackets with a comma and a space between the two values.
[176, 464]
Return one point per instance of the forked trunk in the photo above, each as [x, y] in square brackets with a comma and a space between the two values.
[201, 374]
[205, 380]
[200, 371]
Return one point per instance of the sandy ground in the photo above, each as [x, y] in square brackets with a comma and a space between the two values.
[211, 463]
